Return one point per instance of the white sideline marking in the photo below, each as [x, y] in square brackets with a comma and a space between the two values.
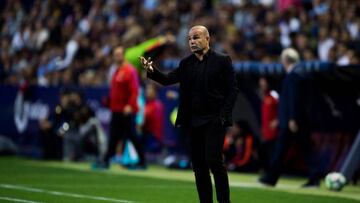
[258, 185]
[10, 199]
[30, 189]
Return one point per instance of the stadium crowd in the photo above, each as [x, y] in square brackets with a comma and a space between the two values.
[66, 42]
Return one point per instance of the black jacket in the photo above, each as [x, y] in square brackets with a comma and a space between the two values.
[294, 99]
[220, 88]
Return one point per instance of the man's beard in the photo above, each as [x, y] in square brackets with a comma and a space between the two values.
[197, 50]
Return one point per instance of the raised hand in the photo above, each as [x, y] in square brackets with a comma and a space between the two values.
[146, 64]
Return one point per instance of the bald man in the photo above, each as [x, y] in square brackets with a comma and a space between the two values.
[207, 95]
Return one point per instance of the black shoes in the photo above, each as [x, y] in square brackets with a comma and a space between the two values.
[265, 182]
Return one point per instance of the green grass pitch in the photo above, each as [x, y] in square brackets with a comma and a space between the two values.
[30, 181]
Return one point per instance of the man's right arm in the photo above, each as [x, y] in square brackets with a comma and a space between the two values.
[156, 75]
[165, 79]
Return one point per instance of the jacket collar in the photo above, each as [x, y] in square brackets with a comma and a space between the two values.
[207, 54]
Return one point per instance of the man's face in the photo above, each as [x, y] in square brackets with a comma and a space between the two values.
[150, 92]
[118, 55]
[198, 41]
[285, 63]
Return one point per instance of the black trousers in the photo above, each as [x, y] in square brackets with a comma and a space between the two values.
[122, 127]
[266, 150]
[206, 145]
[283, 144]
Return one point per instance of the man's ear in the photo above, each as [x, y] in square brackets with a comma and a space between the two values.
[207, 38]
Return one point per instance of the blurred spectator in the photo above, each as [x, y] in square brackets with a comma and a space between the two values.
[124, 91]
[284, 5]
[154, 120]
[269, 121]
[293, 122]
[80, 35]
[240, 148]
[72, 141]
[60, 131]
[326, 42]
[93, 138]
[51, 128]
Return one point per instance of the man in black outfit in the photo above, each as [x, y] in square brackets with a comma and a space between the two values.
[207, 95]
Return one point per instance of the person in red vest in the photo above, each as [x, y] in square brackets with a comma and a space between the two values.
[269, 121]
[124, 90]
[154, 119]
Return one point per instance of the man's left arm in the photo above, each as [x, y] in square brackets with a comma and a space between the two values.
[295, 104]
[231, 91]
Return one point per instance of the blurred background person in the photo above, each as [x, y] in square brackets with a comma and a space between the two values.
[293, 122]
[72, 140]
[50, 128]
[153, 129]
[269, 121]
[93, 137]
[240, 148]
[123, 100]
[60, 130]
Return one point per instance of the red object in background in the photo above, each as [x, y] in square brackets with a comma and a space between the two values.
[124, 89]
[285, 5]
[154, 117]
[269, 113]
[105, 101]
[244, 157]
[24, 86]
